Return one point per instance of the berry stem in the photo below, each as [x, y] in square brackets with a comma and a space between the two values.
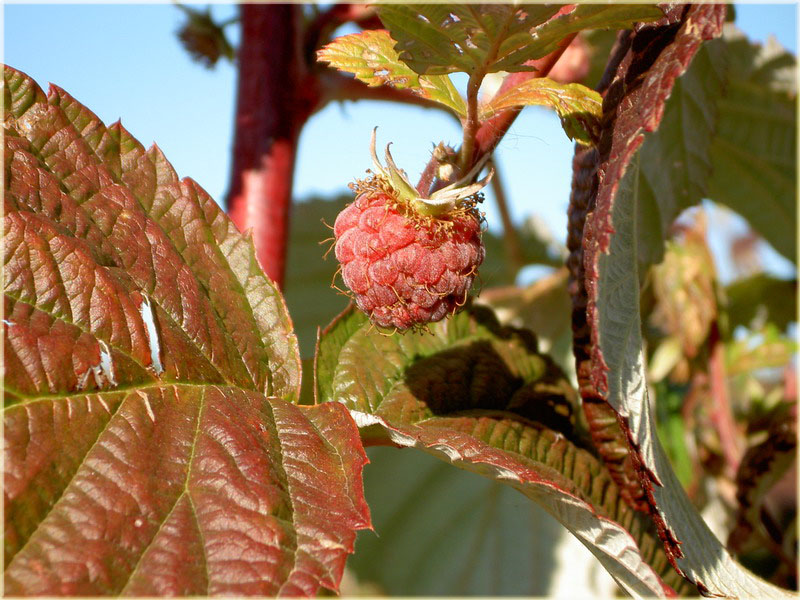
[427, 177]
[472, 123]
[482, 138]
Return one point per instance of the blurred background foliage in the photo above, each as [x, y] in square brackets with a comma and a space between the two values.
[721, 362]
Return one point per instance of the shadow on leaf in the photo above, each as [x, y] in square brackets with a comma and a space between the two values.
[476, 377]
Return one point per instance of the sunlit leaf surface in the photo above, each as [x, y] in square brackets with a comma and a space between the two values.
[435, 39]
[152, 443]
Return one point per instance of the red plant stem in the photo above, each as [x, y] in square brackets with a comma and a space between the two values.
[273, 100]
[721, 413]
[320, 28]
[493, 130]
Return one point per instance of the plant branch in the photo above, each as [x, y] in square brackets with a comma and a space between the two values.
[721, 413]
[511, 240]
[482, 138]
[274, 98]
[472, 123]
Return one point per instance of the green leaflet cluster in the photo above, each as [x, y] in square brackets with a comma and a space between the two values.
[424, 44]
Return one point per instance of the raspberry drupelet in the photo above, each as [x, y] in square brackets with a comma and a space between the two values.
[408, 260]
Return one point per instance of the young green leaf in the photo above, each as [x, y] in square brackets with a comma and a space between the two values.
[445, 38]
[479, 396]
[151, 375]
[371, 57]
[578, 107]
[584, 16]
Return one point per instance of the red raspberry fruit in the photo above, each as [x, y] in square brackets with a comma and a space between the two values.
[406, 269]
[410, 260]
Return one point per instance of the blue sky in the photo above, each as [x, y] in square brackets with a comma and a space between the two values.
[124, 61]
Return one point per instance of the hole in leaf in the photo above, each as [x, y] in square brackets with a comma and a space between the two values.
[146, 310]
[104, 371]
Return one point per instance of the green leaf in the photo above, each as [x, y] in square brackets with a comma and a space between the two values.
[754, 151]
[728, 134]
[675, 159]
[479, 396]
[747, 298]
[329, 344]
[371, 57]
[583, 17]
[470, 536]
[703, 558]
[578, 107]
[151, 372]
[445, 38]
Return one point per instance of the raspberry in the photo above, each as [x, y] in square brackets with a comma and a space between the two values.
[409, 260]
[406, 269]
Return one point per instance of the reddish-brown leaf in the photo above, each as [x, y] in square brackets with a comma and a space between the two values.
[610, 358]
[635, 87]
[151, 441]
